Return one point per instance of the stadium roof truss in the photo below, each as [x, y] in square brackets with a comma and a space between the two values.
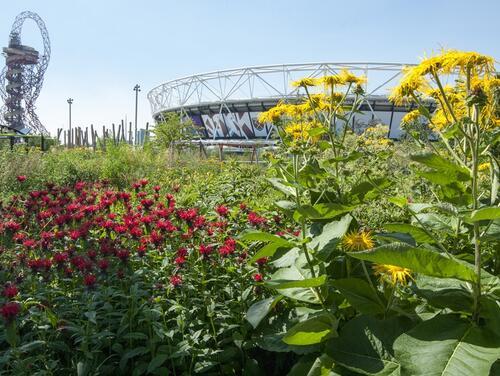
[260, 87]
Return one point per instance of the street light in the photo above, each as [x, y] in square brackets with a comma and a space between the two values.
[137, 89]
[70, 102]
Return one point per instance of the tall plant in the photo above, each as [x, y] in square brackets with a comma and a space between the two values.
[419, 297]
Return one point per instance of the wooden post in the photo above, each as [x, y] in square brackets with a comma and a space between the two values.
[92, 136]
[221, 152]
[123, 131]
[130, 133]
[114, 133]
[59, 131]
[104, 138]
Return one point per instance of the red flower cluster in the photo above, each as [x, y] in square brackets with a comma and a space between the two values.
[94, 234]
[10, 310]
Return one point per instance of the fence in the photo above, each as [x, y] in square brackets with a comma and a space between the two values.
[89, 136]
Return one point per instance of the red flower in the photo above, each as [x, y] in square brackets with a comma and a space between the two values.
[10, 310]
[182, 252]
[123, 255]
[10, 291]
[60, 257]
[89, 280]
[258, 277]
[103, 264]
[180, 260]
[175, 280]
[21, 178]
[222, 210]
[262, 261]
[255, 219]
[205, 250]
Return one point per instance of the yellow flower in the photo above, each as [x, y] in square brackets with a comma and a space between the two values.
[439, 120]
[394, 274]
[411, 117]
[358, 241]
[484, 166]
[410, 83]
[350, 78]
[332, 80]
[300, 130]
[305, 82]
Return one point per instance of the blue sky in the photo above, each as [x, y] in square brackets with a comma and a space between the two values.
[101, 49]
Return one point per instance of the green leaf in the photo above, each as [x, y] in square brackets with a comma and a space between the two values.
[157, 362]
[283, 186]
[11, 335]
[360, 295]
[287, 284]
[286, 205]
[364, 345]
[447, 345]
[313, 330]
[325, 243]
[317, 131]
[264, 237]
[443, 165]
[31, 346]
[295, 273]
[368, 190]
[418, 260]
[416, 233]
[268, 251]
[482, 214]
[321, 211]
[444, 293]
[260, 309]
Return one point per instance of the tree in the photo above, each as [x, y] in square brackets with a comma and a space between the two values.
[173, 129]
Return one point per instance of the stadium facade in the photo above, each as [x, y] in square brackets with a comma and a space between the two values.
[226, 104]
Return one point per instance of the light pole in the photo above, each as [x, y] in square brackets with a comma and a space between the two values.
[137, 89]
[70, 102]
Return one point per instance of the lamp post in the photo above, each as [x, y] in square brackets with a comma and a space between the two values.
[137, 89]
[70, 102]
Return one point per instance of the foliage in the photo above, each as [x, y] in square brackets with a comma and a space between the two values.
[172, 129]
[418, 296]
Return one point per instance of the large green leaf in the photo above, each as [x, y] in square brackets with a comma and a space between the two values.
[440, 164]
[419, 260]
[313, 330]
[447, 345]
[269, 250]
[260, 309]
[274, 244]
[326, 242]
[360, 295]
[264, 237]
[416, 233]
[296, 273]
[287, 284]
[365, 344]
[283, 186]
[482, 214]
[368, 190]
[321, 211]
[445, 293]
